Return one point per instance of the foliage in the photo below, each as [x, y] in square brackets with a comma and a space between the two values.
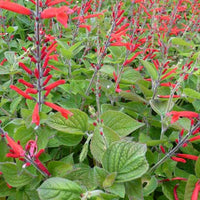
[99, 100]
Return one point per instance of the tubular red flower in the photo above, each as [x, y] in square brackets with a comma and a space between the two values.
[178, 159]
[177, 114]
[13, 87]
[35, 115]
[55, 2]
[16, 149]
[162, 149]
[194, 138]
[47, 80]
[175, 192]
[3, 61]
[26, 83]
[173, 179]
[55, 84]
[195, 192]
[88, 27]
[168, 96]
[25, 68]
[31, 90]
[188, 156]
[130, 60]
[169, 73]
[14, 7]
[64, 112]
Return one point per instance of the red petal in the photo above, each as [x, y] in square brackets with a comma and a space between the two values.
[14, 7]
[35, 116]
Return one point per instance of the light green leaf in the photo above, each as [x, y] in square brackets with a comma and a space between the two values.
[127, 159]
[159, 106]
[197, 168]
[191, 93]
[59, 188]
[151, 186]
[14, 176]
[120, 122]
[110, 179]
[190, 187]
[76, 124]
[99, 143]
[181, 42]
[68, 139]
[150, 69]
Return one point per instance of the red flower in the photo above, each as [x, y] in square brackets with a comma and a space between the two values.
[175, 192]
[13, 87]
[196, 191]
[177, 114]
[26, 83]
[60, 13]
[55, 84]
[88, 27]
[16, 151]
[178, 159]
[35, 115]
[25, 68]
[14, 7]
[63, 111]
[188, 156]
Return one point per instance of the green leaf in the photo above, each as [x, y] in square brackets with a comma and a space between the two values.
[190, 187]
[191, 93]
[84, 151]
[68, 139]
[100, 175]
[118, 189]
[66, 53]
[5, 190]
[10, 56]
[151, 186]
[14, 176]
[150, 69]
[120, 122]
[197, 167]
[134, 189]
[108, 182]
[76, 124]
[99, 143]
[127, 159]
[181, 42]
[159, 106]
[59, 188]
[84, 175]
[59, 168]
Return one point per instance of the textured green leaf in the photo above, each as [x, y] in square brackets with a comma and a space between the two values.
[190, 187]
[181, 42]
[84, 175]
[109, 180]
[134, 189]
[151, 186]
[191, 93]
[100, 174]
[84, 151]
[197, 167]
[13, 175]
[59, 188]
[68, 139]
[59, 168]
[150, 69]
[120, 122]
[127, 159]
[76, 124]
[159, 106]
[99, 143]
[118, 189]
